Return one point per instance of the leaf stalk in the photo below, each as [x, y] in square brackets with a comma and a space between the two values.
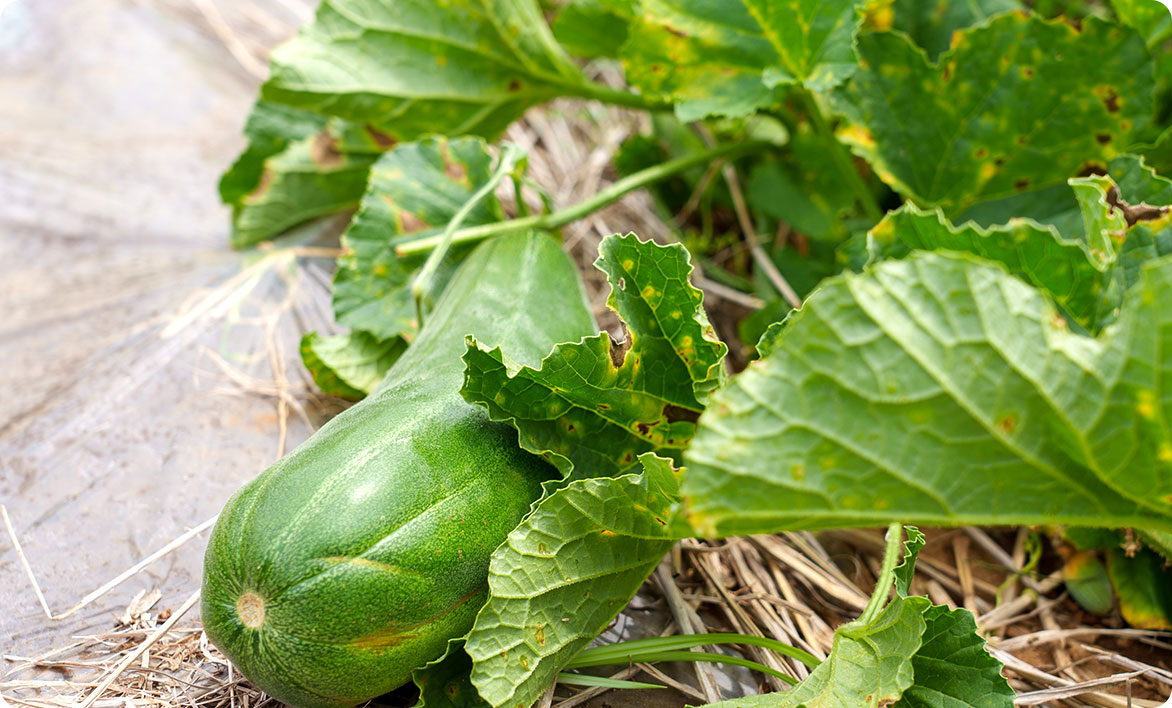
[602, 198]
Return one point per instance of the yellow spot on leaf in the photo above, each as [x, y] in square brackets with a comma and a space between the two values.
[1146, 406]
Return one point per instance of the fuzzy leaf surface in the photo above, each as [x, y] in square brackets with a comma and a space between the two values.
[958, 132]
[349, 365]
[726, 58]
[417, 68]
[564, 574]
[869, 665]
[414, 191]
[594, 406]
[938, 389]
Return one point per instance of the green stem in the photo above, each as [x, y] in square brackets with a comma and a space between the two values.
[841, 158]
[886, 577]
[621, 97]
[509, 157]
[622, 652]
[585, 207]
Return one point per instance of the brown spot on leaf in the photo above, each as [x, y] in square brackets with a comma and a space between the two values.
[1111, 100]
[674, 413]
[1092, 167]
[540, 634]
[642, 427]
[410, 222]
[1007, 423]
[324, 151]
[619, 349]
[1103, 138]
[1134, 213]
[266, 180]
[384, 141]
[676, 32]
[514, 85]
[454, 170]
[1021, 185]
[981, 153]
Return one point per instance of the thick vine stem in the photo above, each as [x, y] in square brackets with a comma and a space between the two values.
[886, 574]
[588, 206]
[840, 156]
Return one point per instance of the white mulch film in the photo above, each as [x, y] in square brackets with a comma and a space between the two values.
[151, 371]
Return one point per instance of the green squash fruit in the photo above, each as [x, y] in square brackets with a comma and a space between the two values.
[355, 558]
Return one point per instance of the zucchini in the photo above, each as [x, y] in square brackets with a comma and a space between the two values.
[355, 558]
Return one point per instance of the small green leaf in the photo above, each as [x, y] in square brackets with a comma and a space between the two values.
[1143, 585]
[727, 58]
[414, 190]
[804, 189]
[907, 567]
[870, 665]
[1086, 580]
[454, 68]
[349, 365]
[444, 683]
[952, 668]
[305, 179]
[1018, 104]
[883, 375]
[594, 406]
[564, 574]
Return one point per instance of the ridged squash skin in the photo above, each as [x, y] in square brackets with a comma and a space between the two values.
[355, 558]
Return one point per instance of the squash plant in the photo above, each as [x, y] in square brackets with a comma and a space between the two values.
[986, 342]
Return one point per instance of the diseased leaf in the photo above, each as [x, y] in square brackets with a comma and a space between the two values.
[1018, 104]
[414, 191]
[952, 668]
[870, 665]
[932, 23]
[940, 390]
[349, 365]
[1144, 587]
[445, 682]
[564, 574]
[594, 406]
[305, 179]
[414, 69]
[269, 129]
[727, 58]
[1079, 279]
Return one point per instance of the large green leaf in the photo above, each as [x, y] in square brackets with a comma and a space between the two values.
[952, 668]
[564, 574]
[414, 191]
[1018, 104]
[269, 129]
[870, 664]
[594, 406]
[727, 58]
[417, 68]
[942, 390]
[593, 28]
[349, 365]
